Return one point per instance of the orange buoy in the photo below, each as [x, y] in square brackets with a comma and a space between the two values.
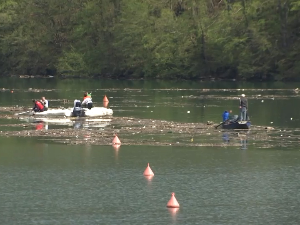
[148, 171]
[12, 91]
[173, 202]
[116, 141]
[105, 104]
[105, 99]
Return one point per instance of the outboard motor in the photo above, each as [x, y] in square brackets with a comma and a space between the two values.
[77, 110]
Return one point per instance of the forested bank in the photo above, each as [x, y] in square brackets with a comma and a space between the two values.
[179, 39]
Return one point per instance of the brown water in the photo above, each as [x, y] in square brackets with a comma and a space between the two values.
[255, 182]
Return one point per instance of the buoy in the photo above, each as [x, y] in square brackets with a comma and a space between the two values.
[105, 99]
[148, 171]
[12, 91]
[116, 140]
[173, 202]
[105, 104]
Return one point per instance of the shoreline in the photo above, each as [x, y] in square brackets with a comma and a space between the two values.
[201, 79]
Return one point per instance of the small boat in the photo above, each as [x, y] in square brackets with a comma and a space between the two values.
[236, 125]
[93, 112]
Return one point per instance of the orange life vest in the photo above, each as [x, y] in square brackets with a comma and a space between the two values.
[39, 105]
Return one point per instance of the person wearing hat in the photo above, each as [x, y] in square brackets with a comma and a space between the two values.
[243, 107]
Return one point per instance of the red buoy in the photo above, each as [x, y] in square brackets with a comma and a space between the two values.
[173, 202]
[116, 141]
[148, 171]
[105, 99]
[105, 104]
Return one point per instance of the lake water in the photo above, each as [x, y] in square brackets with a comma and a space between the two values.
[43, 182]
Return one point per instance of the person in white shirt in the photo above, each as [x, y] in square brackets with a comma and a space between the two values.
[45, 103]
[87, 102]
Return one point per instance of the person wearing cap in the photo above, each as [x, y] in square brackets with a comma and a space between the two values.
[243, 107]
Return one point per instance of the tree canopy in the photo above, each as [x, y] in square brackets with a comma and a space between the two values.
[177, 39]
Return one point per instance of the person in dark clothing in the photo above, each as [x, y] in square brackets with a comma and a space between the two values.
[243, 107]
[38, 106]
[77, 110]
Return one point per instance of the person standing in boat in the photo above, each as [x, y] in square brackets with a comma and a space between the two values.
[243, 107]
[45, 102]
[87, 101]
[38, 106]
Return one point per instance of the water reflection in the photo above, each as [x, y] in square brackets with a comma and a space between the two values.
[76, 123]
[225, 137]
[241, 137]
[173, 212]
[116, 148]
[39, 126]
[149, 178]
[244, 143]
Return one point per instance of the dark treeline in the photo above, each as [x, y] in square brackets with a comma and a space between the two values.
[179, 39]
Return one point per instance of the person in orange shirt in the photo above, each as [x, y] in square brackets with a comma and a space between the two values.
[87, 95]
[87, 101]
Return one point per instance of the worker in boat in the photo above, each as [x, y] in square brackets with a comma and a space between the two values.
[45, 102]
[87, 101]
[77, 110]
[87, 95]
[226, 115]
[38, 106]
[243, 107]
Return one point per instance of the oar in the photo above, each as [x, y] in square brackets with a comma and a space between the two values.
[221, 124]
[226, 121]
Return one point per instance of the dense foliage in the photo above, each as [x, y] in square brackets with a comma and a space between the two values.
[189, 39]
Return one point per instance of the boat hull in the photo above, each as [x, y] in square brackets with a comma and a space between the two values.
[237, 125]
[93, 112]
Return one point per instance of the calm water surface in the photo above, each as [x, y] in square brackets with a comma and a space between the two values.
[42, 182]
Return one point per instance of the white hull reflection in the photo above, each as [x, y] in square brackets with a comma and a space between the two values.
[77, 123]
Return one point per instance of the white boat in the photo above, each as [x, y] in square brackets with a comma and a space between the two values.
[51, 112]
[93, 112]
